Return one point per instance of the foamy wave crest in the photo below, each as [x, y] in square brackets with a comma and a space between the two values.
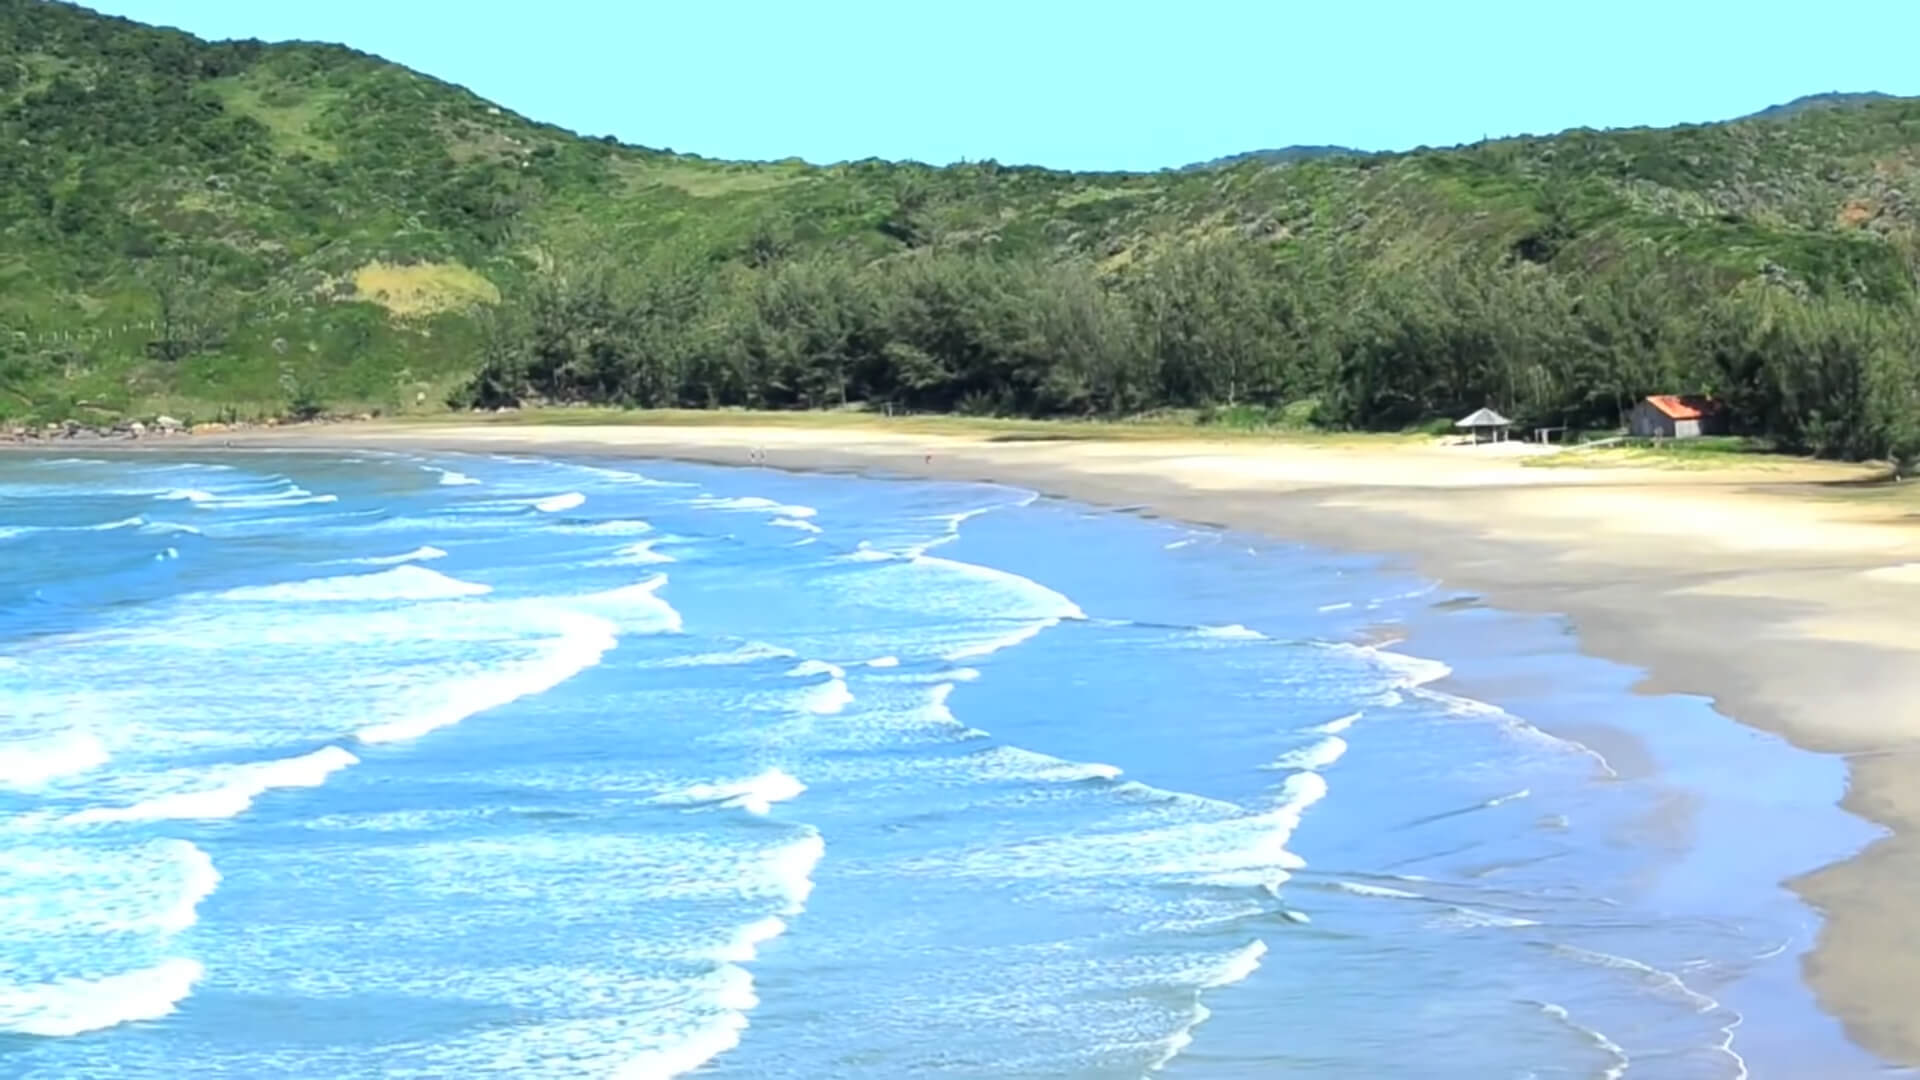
[1027, 602]
[635, 608]
[1004, 641]
[109, 526]
[610, 527]
[1408, 671]
[628, 476]
[751, 652]
[827, 698]
[1235, 632]
[754, 503]
[745, 944]
[406, 582]
[584, 639]
[1474, 918]
[756, 795]
[1014, 763]
[450, 477]
[1315, 755]
[724, 996]
[1621, 1062]
[1334, 726]
[1385, 892]
[75, 1006]
[816, 667]
[422, 553]
[730, 990]
[790, 869]
[289, 495]
[641, 554]
[245, 783]
[31, 763]
[865, 552]
[554, 504]
[1456, 705]
[884, 662]
[167, 528]
[795, 523]
[1234, 967]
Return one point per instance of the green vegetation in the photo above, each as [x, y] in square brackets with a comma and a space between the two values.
[271, 229]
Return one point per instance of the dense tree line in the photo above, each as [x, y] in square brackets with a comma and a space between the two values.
[1215, 324]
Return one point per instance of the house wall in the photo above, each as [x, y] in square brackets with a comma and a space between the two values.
[1686, 429]
[1647, 422]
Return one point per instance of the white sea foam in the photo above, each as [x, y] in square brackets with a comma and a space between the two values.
[406, 582]
[1005, 641]
[641, 554]
[583, 640]
[1234, 632]
[790, 869]
[731, 990]
[795, 523]
[1014, 763]
[289, 495]
[109, 526]
[884, 662]
[1620, 1061]
[554, 504]
[753, 503]
[1318, 754]
[1236, 966]
[166, 553]
[744, 946]
[610, 527]
[75, 1006]
[1328, 608]
[634, 608]
[242, 785]
[816, 667]
[1473, 918]
[827, 698]
[865, 552]
[1408, 671]
[422, 553]
[1383, 891]
[450, 477]
[1455, 705]
[756, 794]
[751, 652]
[1334, 726]
[29, 764]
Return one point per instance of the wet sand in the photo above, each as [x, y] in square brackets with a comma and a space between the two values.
[1781, 592]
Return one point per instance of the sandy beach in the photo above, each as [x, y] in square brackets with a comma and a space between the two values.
[1783, 591]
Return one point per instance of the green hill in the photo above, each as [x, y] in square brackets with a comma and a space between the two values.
[203, 227]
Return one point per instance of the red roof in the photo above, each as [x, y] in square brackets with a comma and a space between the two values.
[1684, 408]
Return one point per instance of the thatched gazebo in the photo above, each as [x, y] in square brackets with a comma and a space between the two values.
[1486, 425]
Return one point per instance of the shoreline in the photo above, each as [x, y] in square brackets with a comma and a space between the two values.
[1781, 596]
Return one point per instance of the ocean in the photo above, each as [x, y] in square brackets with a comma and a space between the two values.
[334, 765]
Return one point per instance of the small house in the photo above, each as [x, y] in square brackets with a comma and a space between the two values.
[1486, 425]
[1675, 416]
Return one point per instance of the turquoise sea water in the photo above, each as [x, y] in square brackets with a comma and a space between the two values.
[341, 766]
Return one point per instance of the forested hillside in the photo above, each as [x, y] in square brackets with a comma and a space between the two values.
[265, 229]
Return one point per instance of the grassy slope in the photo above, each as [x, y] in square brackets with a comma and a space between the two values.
[287, 169]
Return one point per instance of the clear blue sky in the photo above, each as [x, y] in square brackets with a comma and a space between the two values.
[1119, 84]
